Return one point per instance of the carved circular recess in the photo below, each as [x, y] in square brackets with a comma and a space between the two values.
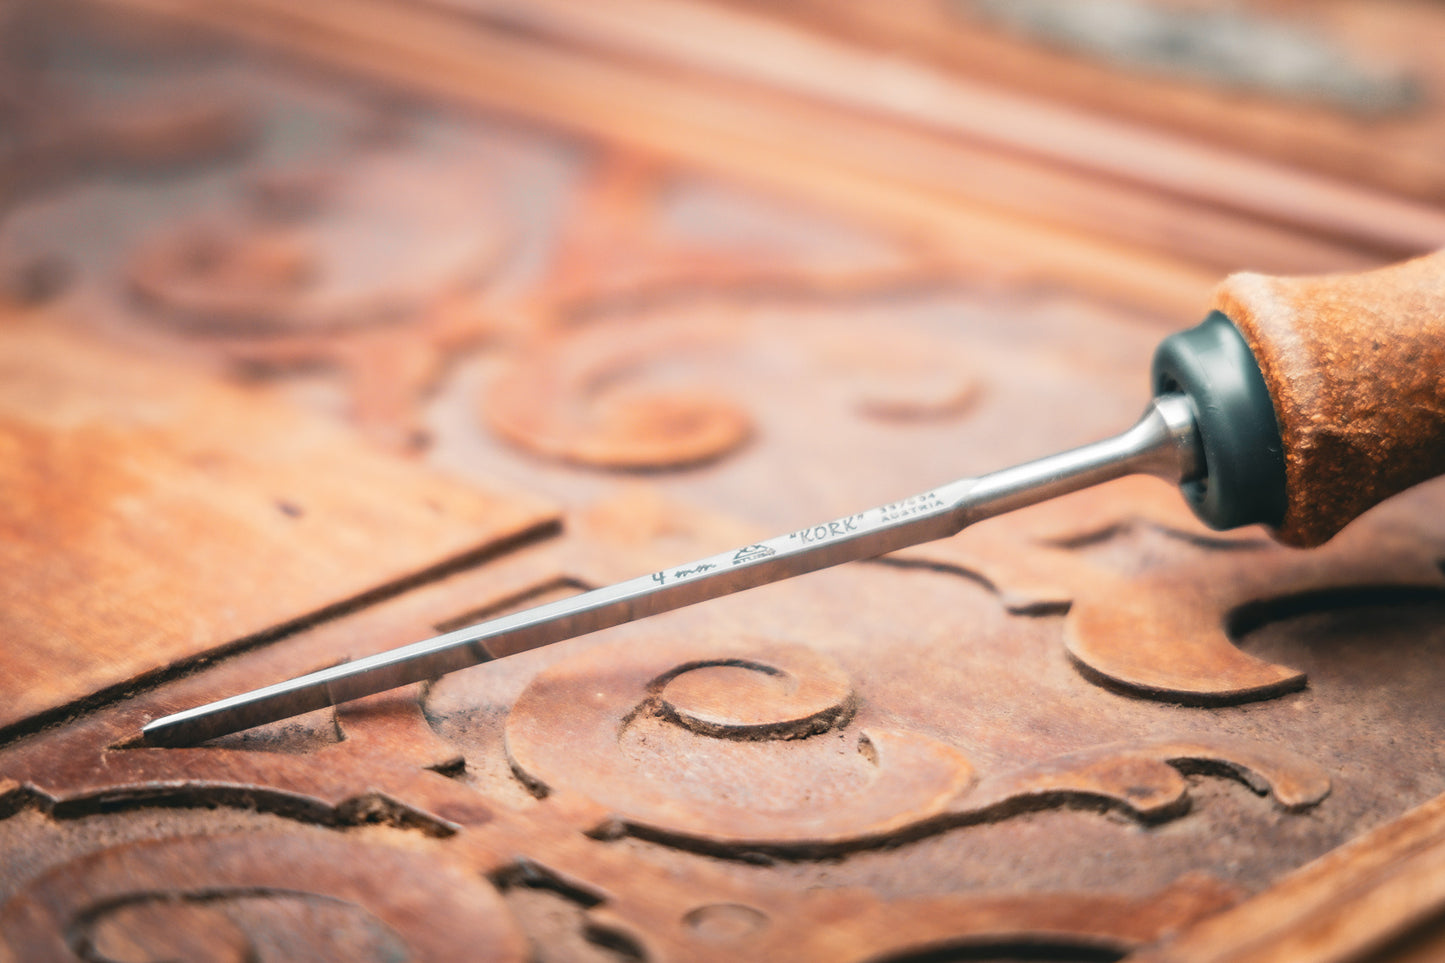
[725, 922]
[750, 700]
[229, 281]
[569, 399]
[253, 896]
[725, 745]
[320, 250]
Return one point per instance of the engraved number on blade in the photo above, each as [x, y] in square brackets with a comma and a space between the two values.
[917, 505]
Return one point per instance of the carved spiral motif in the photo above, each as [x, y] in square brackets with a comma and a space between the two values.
[698, 742]
[649, 393]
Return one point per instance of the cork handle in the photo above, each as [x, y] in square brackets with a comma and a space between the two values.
[1355, 365]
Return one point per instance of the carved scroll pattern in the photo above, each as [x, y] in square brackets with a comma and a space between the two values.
[398, 244]
[256, 281]
[234, 898]
[200, 895]
[708, 702]
[736, 745]
[654, 754]
[722, 704]
[584, 397]
[375, 270]
[582, 726]
[1166, 626]
[718, 744]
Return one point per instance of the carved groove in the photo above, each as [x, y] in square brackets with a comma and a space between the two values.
[360, 810]
[1023, 607]
[183, 668]
[1199, 700]
[1201, 540]
[1026, 796]
[834, 715]
[524, 874]
[1253, 616]
[80, 936]
[1036, 950]
[533, 875]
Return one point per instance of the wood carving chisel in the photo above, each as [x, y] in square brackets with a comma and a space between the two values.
[1298, 403]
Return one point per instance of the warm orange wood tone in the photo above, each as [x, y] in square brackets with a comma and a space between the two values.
[695, 272]
[150, 515]
[909, 181]
[1401, 153]
[1345, 906]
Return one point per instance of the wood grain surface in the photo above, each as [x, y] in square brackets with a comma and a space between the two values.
[650, 281]
[151, 517]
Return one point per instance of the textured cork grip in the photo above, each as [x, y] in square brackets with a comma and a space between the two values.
[1355, 365]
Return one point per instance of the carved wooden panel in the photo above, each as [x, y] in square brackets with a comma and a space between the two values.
[151, 517]
[690, 308]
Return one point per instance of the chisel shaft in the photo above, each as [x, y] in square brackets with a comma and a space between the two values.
[1162, 443]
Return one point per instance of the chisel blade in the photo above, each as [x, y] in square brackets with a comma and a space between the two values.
[1162, 443]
